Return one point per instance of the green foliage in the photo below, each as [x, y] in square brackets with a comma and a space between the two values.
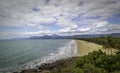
[98, 59]
[107, 42]
[88, 68]
[71, 69]
[94, 62]
[116, 72]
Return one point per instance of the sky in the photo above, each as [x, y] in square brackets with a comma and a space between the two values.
[24, 18]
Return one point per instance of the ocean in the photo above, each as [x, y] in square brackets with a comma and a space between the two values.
[17, 55]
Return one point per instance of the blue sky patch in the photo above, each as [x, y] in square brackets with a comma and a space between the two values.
[114, 19]
[36, 9]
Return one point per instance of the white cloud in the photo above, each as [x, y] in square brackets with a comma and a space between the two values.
[85, 29]
[63, 22]
[103, 8]
[100, 24]
[22, 13]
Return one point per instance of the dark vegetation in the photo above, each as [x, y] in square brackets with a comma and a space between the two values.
[108, 42]
[99, 62]
[94, 62]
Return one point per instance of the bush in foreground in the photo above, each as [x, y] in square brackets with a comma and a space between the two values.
[98, 60]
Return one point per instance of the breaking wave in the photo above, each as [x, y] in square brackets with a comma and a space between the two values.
[68, 50]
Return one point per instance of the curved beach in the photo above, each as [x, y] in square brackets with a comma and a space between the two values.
[84, 47]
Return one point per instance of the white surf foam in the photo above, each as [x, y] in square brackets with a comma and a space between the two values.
[68, 50]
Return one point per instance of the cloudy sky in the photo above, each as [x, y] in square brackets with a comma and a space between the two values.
[23, 18]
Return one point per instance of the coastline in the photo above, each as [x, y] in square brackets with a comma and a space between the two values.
[84, 47]
[65, 51]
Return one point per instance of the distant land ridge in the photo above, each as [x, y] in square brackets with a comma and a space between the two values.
[74, 36]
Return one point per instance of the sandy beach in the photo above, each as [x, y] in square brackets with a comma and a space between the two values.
[85, 47]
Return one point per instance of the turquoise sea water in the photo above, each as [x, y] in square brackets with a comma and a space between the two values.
[23, 54]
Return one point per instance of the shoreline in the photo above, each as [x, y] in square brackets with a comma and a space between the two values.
[84, 47]
[68, 50]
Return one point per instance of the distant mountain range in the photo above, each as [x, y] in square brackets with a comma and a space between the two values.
[73, 37]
